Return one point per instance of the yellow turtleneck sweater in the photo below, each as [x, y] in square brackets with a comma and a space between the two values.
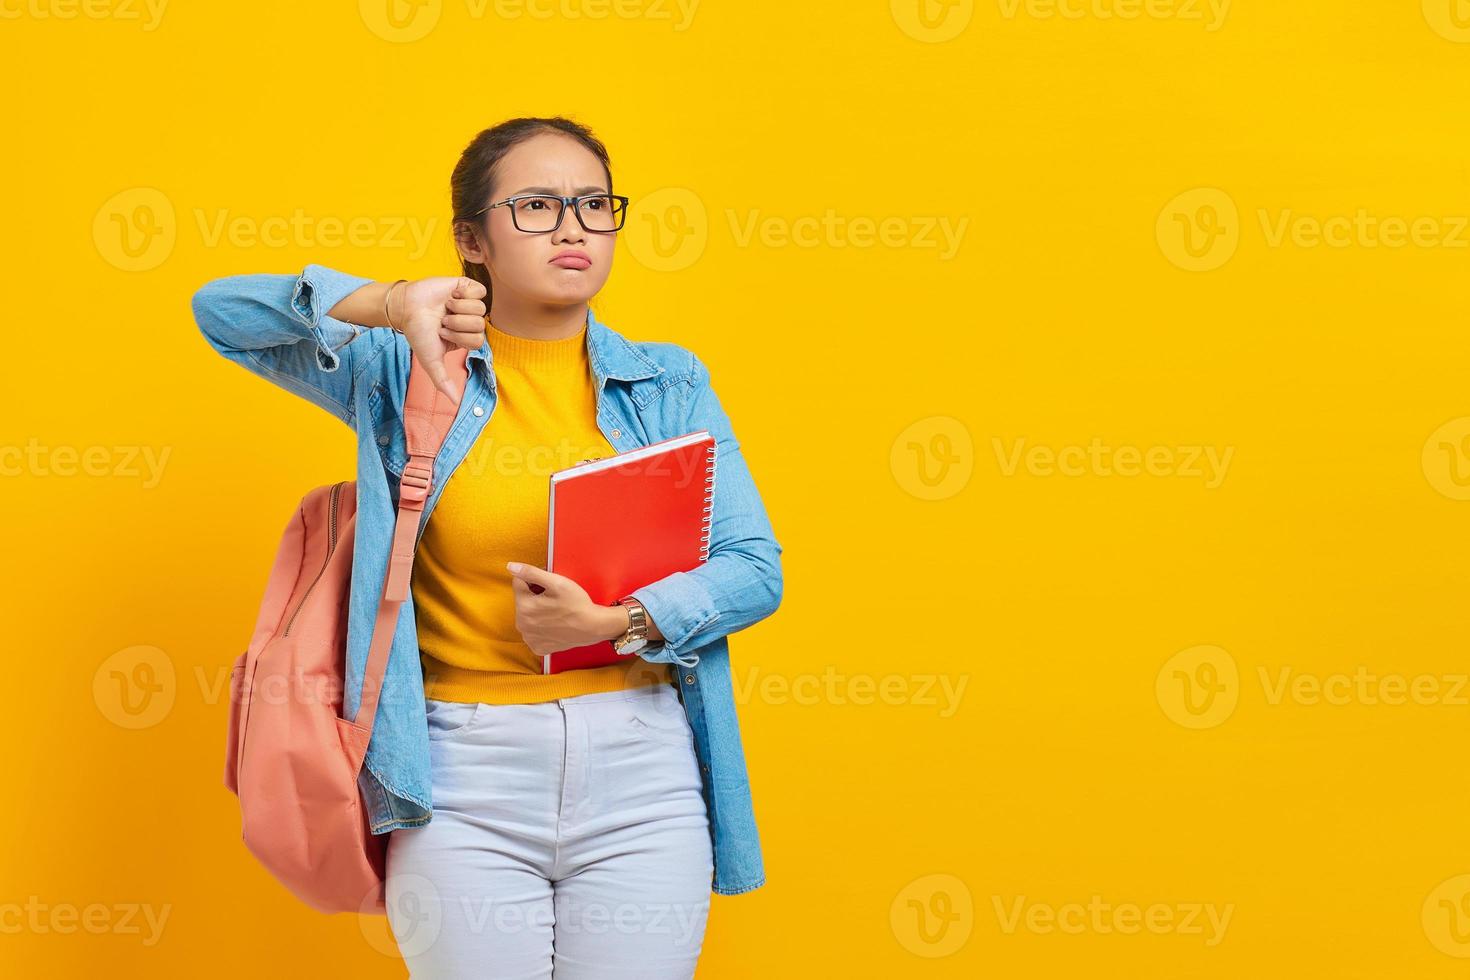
[494, 510]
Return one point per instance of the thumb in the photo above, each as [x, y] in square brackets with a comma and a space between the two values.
[532, 575]
[441, 379]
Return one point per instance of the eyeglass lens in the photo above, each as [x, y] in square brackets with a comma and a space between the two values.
[543, 213]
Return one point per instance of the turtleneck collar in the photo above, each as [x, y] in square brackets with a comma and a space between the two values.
[529, 354]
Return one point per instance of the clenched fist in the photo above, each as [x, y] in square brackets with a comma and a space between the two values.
[438, 314]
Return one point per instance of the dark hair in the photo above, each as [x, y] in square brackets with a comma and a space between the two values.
[474, 175]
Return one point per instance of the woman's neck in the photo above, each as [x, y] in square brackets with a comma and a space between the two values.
[538, 322]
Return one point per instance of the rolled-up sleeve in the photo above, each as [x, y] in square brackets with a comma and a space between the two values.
[278, 327]
[740, 582]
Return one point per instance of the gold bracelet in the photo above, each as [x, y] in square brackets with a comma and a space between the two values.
[386, 297]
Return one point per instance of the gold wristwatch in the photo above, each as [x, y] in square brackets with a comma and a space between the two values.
[636, 637]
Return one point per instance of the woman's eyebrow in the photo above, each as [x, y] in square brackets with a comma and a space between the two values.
[552, 190]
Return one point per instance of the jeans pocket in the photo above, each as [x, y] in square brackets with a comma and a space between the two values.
[661, 719]
[450, 718]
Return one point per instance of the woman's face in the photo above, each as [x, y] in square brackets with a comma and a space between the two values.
[520, 263]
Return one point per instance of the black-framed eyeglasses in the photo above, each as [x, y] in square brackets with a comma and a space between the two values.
[541, 213]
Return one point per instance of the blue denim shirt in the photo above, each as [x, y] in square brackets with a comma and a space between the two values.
[278, 327]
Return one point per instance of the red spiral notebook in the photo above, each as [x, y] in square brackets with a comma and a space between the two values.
[626, 521]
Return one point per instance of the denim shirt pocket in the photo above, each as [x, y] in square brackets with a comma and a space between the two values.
[387, 429]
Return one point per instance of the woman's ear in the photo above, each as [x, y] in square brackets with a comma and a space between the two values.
[467, 240]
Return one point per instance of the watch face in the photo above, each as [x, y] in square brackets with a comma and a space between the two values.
[632, 646]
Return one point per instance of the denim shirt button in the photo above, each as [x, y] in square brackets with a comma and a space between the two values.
[383, 440]
[479, 410]
[688, 678]
[617, 432]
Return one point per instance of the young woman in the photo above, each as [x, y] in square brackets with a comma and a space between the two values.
[573, 822]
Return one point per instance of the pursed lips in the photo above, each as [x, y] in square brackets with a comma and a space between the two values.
[571, 260]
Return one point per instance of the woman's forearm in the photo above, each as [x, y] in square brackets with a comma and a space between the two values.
[276, 326]
[614, 622]
[364, 306]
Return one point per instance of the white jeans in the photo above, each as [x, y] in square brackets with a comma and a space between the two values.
[569, 839]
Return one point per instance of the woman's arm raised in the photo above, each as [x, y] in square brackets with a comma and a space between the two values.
[306, 333]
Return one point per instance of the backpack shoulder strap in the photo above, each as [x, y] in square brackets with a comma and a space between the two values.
[428, 415]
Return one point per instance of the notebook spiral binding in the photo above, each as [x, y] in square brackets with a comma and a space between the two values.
[709, 505]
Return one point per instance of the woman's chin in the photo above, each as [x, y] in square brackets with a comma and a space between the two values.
[566, 289]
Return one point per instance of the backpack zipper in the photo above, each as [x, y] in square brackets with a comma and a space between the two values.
[331, 547]
[244, 727]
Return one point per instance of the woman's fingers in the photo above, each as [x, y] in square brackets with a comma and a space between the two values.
[460, 340]
[468, 288]
[463, 323]
[467, 307]
[463, 331]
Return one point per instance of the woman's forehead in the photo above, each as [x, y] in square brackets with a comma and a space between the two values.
[551, 162]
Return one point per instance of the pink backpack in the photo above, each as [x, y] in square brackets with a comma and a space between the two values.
[291, 758]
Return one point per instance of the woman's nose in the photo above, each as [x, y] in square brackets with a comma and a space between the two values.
[570, 229]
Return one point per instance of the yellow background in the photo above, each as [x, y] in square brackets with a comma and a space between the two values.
[1121, 736]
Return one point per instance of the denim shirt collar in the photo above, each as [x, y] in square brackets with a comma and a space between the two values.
[611, 355]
